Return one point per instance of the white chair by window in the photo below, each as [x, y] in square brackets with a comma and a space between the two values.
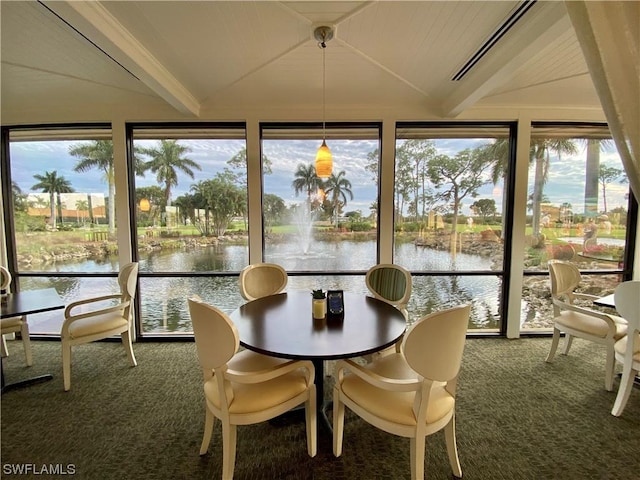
[104, 320]
[411, 393]
[391, 283]
[262, 279]
[243, 388]
[581, 322]
[14, 324]
[627, 300]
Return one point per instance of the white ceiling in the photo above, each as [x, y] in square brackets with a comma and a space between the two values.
[203, 59]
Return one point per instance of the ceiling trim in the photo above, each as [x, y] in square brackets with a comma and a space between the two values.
[102, 29]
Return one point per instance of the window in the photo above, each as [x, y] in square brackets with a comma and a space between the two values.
[577, 210]
[320, 225]
[191, 219]
[450, 212]
[63, 212]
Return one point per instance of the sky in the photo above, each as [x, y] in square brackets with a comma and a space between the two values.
[565, 182]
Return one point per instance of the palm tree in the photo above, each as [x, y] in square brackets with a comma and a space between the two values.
[306, 180]
[166, 161]
[338, 187]
[52, 184]
[539, 156]
[82, 206]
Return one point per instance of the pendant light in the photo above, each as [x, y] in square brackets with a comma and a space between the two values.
[324, 159]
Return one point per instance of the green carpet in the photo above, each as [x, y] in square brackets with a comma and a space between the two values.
[517, 418]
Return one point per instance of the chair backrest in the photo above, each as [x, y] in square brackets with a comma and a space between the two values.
[433, 346]
[627, 299]
[128, 279]
[217, 338]
[5, 279]
[391, 283]
[262, 279]
[565, 277]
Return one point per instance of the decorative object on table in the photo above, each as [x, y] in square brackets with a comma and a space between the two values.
[335, 303]
[627, 349]
[319, 304]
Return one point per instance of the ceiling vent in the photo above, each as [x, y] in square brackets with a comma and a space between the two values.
[516, 15]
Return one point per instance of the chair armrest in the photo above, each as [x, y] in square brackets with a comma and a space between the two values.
[279, 370]
[586, 311]
[86, 301]
[586, 296]
[384, 383]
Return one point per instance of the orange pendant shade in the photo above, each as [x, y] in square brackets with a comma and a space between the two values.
[324, 161]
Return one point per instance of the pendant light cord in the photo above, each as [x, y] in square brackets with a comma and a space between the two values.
[324, 93]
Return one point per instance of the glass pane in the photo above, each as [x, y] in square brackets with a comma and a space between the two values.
[450, 206]
[449, 197]
[191, 211]
[313, 223]
[577, 211]
[63, 194]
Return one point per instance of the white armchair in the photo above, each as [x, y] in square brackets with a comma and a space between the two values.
[581, 322]
[243, 388]
[14, 324]
[105, 320]
[411, 393]
[627, 300]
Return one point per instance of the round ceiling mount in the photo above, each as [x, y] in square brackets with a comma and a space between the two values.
[323, 33]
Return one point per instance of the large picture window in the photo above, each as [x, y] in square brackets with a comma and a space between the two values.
[577, 210]
[191, 219]
[450, 211]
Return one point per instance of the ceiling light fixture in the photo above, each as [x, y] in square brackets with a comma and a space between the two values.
[324, 159]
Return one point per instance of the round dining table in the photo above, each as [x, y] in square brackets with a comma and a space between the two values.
[283, 326]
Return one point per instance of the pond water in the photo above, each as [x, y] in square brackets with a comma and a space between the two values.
[163, 298]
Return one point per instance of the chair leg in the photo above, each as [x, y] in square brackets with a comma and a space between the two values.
[229, 437]
[417, 446]
[5, 351]
[626, 385]
[568, 340]
[338, 422]
[554, 345]
[66, 365]
[312, 422]
[610, 367]
[26, 343]
[126, 341]
[452, 447]
[209, 422]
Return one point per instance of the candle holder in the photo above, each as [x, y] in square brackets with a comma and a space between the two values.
[319, 304]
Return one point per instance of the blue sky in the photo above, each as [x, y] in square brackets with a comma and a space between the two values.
[565, 182]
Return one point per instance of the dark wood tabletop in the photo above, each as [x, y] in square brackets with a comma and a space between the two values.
[29, 302]
[282, 326]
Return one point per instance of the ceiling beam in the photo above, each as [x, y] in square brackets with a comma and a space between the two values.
[544, 23]
[101, 28]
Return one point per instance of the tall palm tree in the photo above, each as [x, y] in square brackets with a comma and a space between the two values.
[306, 180]
[539, 156]
[54, 185]
[337, 187]
[166, 161]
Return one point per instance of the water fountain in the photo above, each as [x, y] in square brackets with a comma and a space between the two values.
[303, 219]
